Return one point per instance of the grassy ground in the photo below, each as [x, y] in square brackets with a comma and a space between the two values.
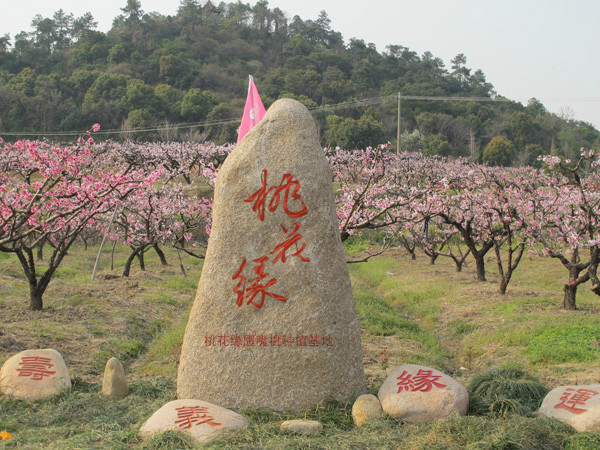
[410, 312]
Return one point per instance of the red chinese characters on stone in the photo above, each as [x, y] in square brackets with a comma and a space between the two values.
[252, 287]
[423, 381]
[35, 367]
[288, 187]
[572, 398]
[291, 239]
[254, 290]
[273, 340]
[194, 415]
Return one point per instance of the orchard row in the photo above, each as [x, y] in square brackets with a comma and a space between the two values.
[151, 195]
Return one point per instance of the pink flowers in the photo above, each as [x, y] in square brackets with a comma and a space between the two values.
[444, 206]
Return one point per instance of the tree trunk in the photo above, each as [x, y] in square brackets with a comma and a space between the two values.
[570, 295]
[160, 254]
[132, 256]
[112, 256]
[458, 264]
[140, 257]
[85, 242]
[503, 285]
[181, 263]
[480, 267]
[40, 250]
[35, 298]
[432, 258]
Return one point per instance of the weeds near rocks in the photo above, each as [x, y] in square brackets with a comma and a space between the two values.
[169, 440]
[505, 391]
[583, 441]
[384, 360]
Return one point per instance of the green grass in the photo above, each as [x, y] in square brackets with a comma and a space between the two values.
[583, 441]
[373, 272]
[457, 433]
[419, 313]
[461, 327]
[565, 344]
[379, 318]
[355, 244]
[82, 419]
[163, 353]
[79, 299]
[182, 283]
[139, 332]
[164, 297]
[382, 313]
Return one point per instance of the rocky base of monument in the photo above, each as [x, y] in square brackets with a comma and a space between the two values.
[411, 393]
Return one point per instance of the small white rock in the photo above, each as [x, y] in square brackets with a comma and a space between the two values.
[114, 383]
[302, 426]
[365, 408]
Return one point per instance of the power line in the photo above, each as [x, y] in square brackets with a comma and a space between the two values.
[363, 102]
[119, 131]
[455, 99]
[189, 125]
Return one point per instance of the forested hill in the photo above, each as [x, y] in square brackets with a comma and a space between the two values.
[151, 70]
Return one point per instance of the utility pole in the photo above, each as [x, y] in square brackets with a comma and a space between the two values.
[472, 145]
[398, 146]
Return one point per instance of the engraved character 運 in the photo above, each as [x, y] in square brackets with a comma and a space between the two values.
[572, 398]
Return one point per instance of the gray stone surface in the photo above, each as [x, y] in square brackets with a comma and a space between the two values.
[302, 426]
[578, 406]
[203, 421]
[114, 382]
[365, 408]
[418, 394]
[35, 375]
[283, 355]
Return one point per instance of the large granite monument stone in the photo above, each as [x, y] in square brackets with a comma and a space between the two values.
[274, 323]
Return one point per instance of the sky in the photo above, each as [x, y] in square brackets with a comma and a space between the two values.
[547, 49]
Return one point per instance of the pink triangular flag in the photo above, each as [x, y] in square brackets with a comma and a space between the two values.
[254, 110]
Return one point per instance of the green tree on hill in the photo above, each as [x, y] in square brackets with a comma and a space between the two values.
[197, 104]
[499, 152]
[351, 134]
[436, 145]
[84, 75]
